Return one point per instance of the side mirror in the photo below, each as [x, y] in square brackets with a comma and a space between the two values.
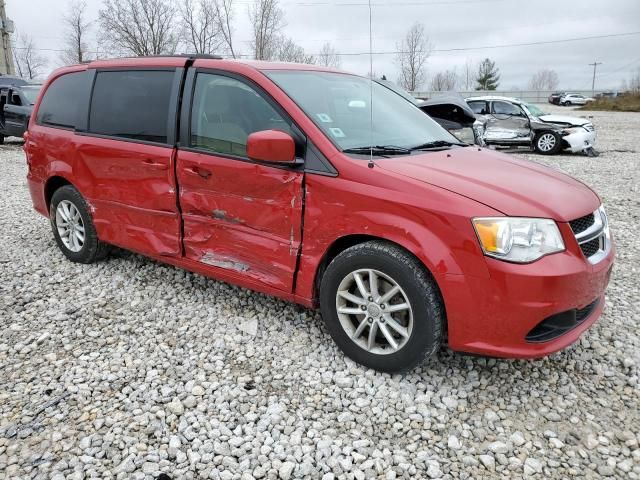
[272, 146]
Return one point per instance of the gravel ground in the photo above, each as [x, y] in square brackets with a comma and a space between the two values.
[129, 368]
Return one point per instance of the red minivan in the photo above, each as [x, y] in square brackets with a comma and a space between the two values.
[325, 189]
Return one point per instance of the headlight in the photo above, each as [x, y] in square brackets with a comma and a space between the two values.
[572, 130]
[520, 240]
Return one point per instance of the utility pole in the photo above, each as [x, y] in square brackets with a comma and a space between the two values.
[6, 28]
[593, 83]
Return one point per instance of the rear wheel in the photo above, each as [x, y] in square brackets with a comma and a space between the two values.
[73, 227]
[547, 143]
[382, 307]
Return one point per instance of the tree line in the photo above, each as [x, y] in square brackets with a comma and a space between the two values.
[165, 27]
[160, 27]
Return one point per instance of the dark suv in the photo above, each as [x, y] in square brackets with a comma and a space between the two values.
[16, 105]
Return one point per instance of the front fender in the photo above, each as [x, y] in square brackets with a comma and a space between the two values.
[433, 225]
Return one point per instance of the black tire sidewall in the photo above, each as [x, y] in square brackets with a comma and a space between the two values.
[425, 338]
[90, 251]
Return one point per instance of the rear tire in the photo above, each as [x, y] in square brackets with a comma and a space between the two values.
[73, 227]
[547, 143]
[363, 313]
[1, 139]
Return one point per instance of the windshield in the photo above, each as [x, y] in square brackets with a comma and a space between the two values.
[31, 93]
[340, 105]
[533, 110]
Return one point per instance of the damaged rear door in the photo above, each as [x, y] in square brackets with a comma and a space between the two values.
[239, 215]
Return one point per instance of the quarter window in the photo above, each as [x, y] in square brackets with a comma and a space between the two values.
[132, 104]
[60, 106]
[226, 111]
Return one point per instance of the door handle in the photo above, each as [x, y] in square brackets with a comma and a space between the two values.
[156, 165]
[200, 172]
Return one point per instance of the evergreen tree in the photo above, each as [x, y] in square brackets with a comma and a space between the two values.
[488, 75]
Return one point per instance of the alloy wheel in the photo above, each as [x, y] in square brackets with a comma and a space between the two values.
[70, 226]
[374, 311]
[547, 142]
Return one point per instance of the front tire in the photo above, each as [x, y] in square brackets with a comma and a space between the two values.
[382, 307]
[73, 227]
[547, 143]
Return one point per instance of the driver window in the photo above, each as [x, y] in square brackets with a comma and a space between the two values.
[15, 99]
[226, 111]
[505, 108]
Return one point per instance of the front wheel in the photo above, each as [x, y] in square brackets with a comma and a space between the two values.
[382, 307]
[547, 143]
[73, 227]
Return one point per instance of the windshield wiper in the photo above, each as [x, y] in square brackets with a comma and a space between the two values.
[378, 150]
[437, 144]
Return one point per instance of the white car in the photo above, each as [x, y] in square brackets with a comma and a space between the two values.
[505, 121]
[574, 99]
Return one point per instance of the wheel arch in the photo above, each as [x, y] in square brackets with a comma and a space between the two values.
[51, 185]
[340, 244]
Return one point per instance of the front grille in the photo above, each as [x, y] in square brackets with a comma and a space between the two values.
[592, 234]
[556, 325]
[579, 225]
[591, 247]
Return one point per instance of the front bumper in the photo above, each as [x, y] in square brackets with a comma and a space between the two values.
[493, 316]
[578, 142]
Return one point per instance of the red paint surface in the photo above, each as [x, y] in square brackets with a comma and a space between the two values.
[271, 146]
[242, 222]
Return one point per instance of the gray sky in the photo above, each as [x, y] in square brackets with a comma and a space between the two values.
[450, 25]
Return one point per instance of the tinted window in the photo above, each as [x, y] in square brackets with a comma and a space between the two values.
[226, 111]
[60, 106]
[505, 108]
[478, 107]
[132, 104]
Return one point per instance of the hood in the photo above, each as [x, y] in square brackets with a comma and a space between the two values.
[564, 120]
[512, 186]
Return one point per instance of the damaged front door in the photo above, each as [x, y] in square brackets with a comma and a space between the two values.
[507, 123]
[240, 216]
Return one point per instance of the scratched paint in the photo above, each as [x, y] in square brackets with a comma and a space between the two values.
[223, 262]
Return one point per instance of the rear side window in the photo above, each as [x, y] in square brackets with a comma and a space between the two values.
[60, 106]
[132, 104]
[478, 107]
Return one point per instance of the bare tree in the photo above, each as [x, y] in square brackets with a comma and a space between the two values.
[29, 63]
[633, 85]
[544, 80]
[444, 81]
[288, 51]
[267, 20]
[140, 27]
[200, 27]
[413, 52]
[329, 57]
[468, 75]
[76, 31]
[223, 17]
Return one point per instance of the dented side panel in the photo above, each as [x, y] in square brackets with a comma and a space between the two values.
[241, 216]
[132, 192]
